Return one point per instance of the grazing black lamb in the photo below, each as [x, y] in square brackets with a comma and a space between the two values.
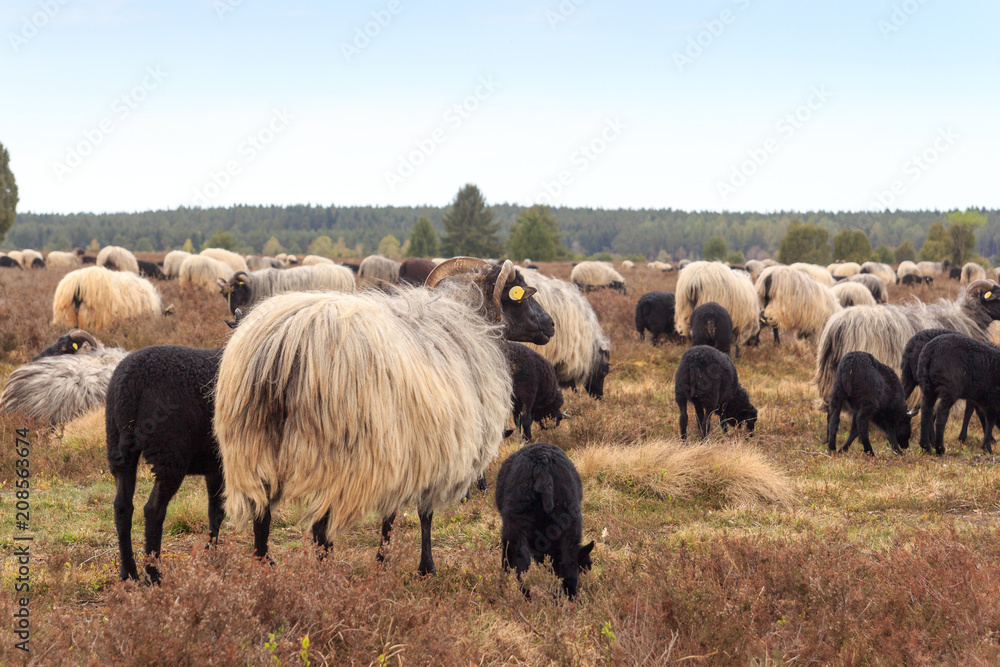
[160, 405]
[711, 325]
[655, 313]
[536, 389]
[873, 393]
[912, 279]
[707, 377]
[953, 367]
[911, 355]
[150, 270]
[540, 496]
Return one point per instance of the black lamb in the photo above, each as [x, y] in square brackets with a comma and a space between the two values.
[150, 270]
[536, 389]
[873, 393]
[953, 367]
[539, 496]
[912, 279]
[707, 377]
[7, 262]
[711, 325]
[160, 405]
[911, 355]
[955, 273]
[88, 259]
[655, 313]
[38, 263]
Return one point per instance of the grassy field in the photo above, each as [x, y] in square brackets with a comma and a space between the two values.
[764, 553]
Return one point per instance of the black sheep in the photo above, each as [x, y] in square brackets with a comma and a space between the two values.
[160, 405]
[68, 344]
[9, 263]
[655, 313]
[38, 263]
[873, 393]
[88, 259]
[707, 377]
[911, 355]
[711, 325]
[912, 279]
[150, 270]
[539, 496]
[594, 383]
[955, 273]
[414, 271]
[536, 389]
[953, 367]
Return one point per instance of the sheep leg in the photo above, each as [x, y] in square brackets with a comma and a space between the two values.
[125, 491]
[774, 330]
[851, 435]
[862, 420]
[216, 510]
[386, 532]
[515, 554]
[155, 512]
[699, 413]
[426, 560]
[926, 419]
[261, 532]
[526, 418]
[988, 433]
[319, 534]
[944, 408]
[832, 422]
[683, 421]
[969, 409]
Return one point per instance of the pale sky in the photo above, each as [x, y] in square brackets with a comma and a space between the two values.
[126, 105]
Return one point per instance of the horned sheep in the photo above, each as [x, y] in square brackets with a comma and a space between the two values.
[701, 282]
[244, 290]
[368, 402]
[579, 351]
[62, 382]
[884, 331]
[94, 298]
[117, 258]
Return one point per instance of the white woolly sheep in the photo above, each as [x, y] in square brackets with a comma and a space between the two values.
[906, 268]
[172, 263]
[312, 260]
[701, 282]
[204, 272]
[972, 272]
[256, 262]
[850, 293]
[94, 298]
[844, 269]
[791, 300]
[932, 268]
[58, 260]
[117, 258]
[590, 276]
[377, 271]
[818, 273]
[882, 271]
[875, 285]
[368, 402]
[244, 290]
[628, 264]
[234, 260]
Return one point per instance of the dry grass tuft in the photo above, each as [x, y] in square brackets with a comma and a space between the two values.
[736, 474]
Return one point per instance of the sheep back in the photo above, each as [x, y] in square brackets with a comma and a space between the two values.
[701, 282]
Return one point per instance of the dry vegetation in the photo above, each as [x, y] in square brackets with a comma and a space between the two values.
[717, 553]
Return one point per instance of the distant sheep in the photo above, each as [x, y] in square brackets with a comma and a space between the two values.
[972, 272]
[234, 260]
[579, 351]
[875, 285]
[8, 262]
[59, 260]
[655, 313]
[367, 402]
[204, 271]
[117, 258]
[881, 271]
[701, 282]
[256, 263]
[844, 269]
[536, 394]
[95, 298]
[954, 273]
[313, 260]
[884, 331]
[712, 326]
[172, 263]
[244, 290]
[150, 270]
[872, 392]
[708, 378]
[913, 279]
[62, 382]
[817, 273]
[906, 268]
[754, 268]
[377, 271]
[29, 259]
[932, 268]
[414, 271]
[17, 256]
[628, 265]
[853, 294]
[539, 496]
[159, 406]
[590, 276]
[791, 300]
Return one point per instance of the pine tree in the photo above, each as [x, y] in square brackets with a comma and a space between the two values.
[851, 245]
[273, 247]
[322, 246]
[469, 226]
[8, 194]
[389, 247]
[535, 235]
[423, 239]
[188, 246]
[805, 243]
[905, 252]
[715, 248]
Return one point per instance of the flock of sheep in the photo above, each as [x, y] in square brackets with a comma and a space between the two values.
[367, 388]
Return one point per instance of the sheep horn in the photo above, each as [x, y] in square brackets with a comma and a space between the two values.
[505, 273]
[977, 288]
[453, 267]
[237, 275]
[223, 285]
[80, 334]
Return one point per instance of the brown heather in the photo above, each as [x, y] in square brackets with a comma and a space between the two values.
[766, 552]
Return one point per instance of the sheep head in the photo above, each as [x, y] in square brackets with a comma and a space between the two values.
[69, 343]
[986, 294]
[236, 290]
[508, 298]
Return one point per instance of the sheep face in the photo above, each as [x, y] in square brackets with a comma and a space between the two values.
[68, 344]
[595, 382]
[988, 295]
[524, 320]
[237, 291]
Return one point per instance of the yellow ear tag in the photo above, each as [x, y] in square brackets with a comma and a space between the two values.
[516, 293]
[241, 283]
[987, 295]
[76, 346]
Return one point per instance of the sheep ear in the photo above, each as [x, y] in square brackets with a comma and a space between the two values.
[528, 293]
[587, 548]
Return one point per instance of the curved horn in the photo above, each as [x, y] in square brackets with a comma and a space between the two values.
[454, 267]
[240, 273]
[80, 334]
[505, 273]
[979, 287]
[223, 285]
